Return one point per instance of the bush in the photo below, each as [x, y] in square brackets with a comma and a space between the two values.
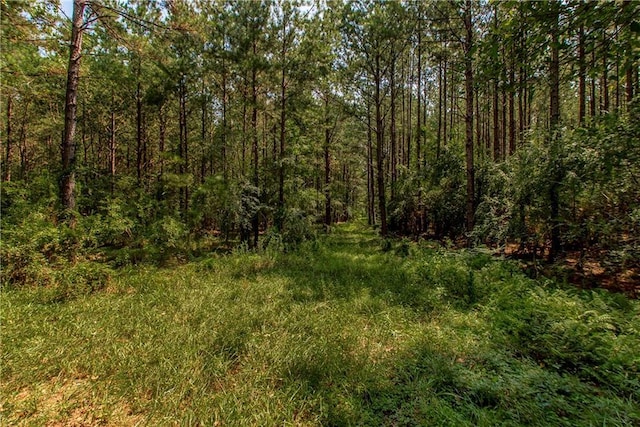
[39, 252]
[297, 228]
[448, 273]
[587, 336]
[592, 169]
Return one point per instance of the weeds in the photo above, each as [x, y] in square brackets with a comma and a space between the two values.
[339, 332]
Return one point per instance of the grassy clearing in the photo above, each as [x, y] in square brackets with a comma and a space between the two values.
[339, 333]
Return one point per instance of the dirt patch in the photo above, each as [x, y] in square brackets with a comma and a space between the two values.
[66, 402]
[587, 270]
[591, 273]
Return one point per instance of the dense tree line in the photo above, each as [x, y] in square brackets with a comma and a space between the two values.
[494, 122]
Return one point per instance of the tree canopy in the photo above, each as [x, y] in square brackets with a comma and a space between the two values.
[493, 123]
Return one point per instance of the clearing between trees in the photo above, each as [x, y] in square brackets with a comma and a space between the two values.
[349, 329]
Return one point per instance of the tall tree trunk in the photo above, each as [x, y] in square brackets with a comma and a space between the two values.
[479, 147]
[392, 82]
[382, 202]
[503, 150]
[370, 176]
[582, 88]
[403, 114]
[496, 124]
[512, 114]
[604, 79]
[496, 127]
[112, 149]
[184, 144]
[604, 84]
[419, 124]
[225, 167]
[161, 139]
[468, 77]
[454, 105]
[6, 176]
[203, 137]
[444, 102]
[617, 67]
[410, 118]
[629, 83]
[138, 129]
[554, 121]
[23, 141]
[85, 147]
[68, 149]
[327, 167]
[439, 137]
[243, 157]
[592, 101]
[283, 130]
[254, 133]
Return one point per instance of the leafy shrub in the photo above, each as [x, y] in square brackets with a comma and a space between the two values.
[569, 333]
[448, 272]
[297, 228]
[444, 193]
[592, 169]
[218, 204]
[50, 259]
[39, 252]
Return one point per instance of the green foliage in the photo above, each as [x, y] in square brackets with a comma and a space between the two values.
[582, 334]
[297, 227]
[335, 333]
[36, 252]
[115, 225]
[594, 168]
[444, 194]
[218, 204]
[437, 192]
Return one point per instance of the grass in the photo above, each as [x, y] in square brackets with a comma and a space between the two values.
[340, 332]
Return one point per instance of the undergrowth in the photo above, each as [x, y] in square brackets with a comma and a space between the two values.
[345, 330]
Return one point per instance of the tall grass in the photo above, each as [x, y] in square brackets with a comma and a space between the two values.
[340, 332]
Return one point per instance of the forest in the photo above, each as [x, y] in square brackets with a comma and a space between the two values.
[320, 212]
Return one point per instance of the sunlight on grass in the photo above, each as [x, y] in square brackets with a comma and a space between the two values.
[338, 333]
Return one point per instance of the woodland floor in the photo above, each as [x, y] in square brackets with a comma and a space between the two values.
[586, 271]
[339, 332]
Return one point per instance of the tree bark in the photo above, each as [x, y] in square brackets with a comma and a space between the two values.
[68, 149]
[419, 124]
[604, 85]
[254, 134]
[225, 167]
[392, 129]
[496, 127]
[512, 114]
[112, 149]
[327, 168]
[161, 139]
[468, 76]
[629, 82]
[439, 137]
[138, 129]
[444, 102]
[582, 84]
[283, 132]
[184, 147]
[592, 101]
[554, 121]
[382, 202]
[6, 176]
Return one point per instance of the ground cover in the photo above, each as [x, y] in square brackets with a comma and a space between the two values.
[347, 330]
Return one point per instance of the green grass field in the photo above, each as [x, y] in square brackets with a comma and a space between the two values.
[340, 332]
